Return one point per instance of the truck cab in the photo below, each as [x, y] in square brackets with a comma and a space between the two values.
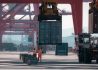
[88, 48]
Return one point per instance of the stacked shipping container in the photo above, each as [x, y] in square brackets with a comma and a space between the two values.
[93, 20]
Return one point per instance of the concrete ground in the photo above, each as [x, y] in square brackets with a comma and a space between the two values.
[10, 61]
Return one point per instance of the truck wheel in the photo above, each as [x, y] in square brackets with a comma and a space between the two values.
[97, 61]
[29, 62]
[87, 60]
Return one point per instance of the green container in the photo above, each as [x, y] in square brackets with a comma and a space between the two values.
[61, 49]
[30, 39]
[50, 32]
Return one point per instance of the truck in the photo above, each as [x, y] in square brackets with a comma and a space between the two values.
[88, 42]
[88, 48]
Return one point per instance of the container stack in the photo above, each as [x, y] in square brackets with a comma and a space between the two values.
[93, 17]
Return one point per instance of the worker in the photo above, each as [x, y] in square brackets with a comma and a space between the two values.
[39, 51]
[34, 52]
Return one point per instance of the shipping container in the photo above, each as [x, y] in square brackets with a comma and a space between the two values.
[30, 39]
[61, 49]
[93, 21]
[50, 32]
[8, 47]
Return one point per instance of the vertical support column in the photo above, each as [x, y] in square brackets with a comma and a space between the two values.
[1, 41]
[36, 11]
[0, 24]
[35, 38]
[0, 37]
[77, 18]
[77, 15]
[32, 37]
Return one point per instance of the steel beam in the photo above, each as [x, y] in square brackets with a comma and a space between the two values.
[36, 1]
[33, 13]
[76, 10]
[77, 16]
[1, 30]
[87, 0]
[19, 1]
[13, 29]
[4, 15]
[14, 10]
[18, 21]
[15, 34]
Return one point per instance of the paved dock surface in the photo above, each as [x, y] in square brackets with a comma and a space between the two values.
[11, 61]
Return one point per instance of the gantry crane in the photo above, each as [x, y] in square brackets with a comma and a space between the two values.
[47, 11]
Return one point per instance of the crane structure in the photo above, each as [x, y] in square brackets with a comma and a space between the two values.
[76, 12]
[50, 32]
[76, 7]
[47, 11]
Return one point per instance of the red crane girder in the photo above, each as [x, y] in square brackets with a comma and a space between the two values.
[76, 10]
[36, 1]
[31, 1]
